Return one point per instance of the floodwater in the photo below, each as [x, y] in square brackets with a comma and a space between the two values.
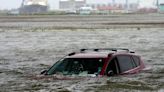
[24, 54]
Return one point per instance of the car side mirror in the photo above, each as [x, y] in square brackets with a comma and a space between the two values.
[43, 72]
[110, 73]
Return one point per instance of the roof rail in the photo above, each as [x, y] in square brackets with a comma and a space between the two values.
[73, 53]
[110, 49]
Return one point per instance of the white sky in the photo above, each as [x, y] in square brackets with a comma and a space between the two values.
[9, 4]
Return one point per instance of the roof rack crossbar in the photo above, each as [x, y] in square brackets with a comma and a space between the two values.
[110, 49]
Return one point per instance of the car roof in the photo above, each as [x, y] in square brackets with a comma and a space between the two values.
[89, 55]
[99, 53]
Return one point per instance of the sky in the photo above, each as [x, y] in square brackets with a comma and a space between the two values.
[10, 4]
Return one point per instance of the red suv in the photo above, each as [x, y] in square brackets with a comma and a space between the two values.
[94, 62]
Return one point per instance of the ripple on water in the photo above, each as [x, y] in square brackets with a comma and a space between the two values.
[25, 54]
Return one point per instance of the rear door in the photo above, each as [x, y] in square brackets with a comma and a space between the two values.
[126, 64]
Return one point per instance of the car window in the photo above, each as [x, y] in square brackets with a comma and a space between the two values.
[136, 60]
[113, 66]
[69, 66]
[125, 63]
[59, 66]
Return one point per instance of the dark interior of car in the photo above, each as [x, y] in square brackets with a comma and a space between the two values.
[112, 67]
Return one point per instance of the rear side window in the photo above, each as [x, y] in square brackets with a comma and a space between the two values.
[125, 63]
[136, 60]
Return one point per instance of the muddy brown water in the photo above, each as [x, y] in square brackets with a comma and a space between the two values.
[23, 54]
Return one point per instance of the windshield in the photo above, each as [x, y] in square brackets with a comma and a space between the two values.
[77, 66]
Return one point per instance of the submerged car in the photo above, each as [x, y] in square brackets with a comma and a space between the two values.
[95, 62]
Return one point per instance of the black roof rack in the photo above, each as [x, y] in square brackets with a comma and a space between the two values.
[110, 49]
[73, 53]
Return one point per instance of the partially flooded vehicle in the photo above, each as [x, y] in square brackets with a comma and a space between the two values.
[97, 62]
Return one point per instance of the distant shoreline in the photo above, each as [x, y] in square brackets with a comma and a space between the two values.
[114, 21]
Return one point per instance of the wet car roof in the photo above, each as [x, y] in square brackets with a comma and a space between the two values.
[89, 55]
[97, 54]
